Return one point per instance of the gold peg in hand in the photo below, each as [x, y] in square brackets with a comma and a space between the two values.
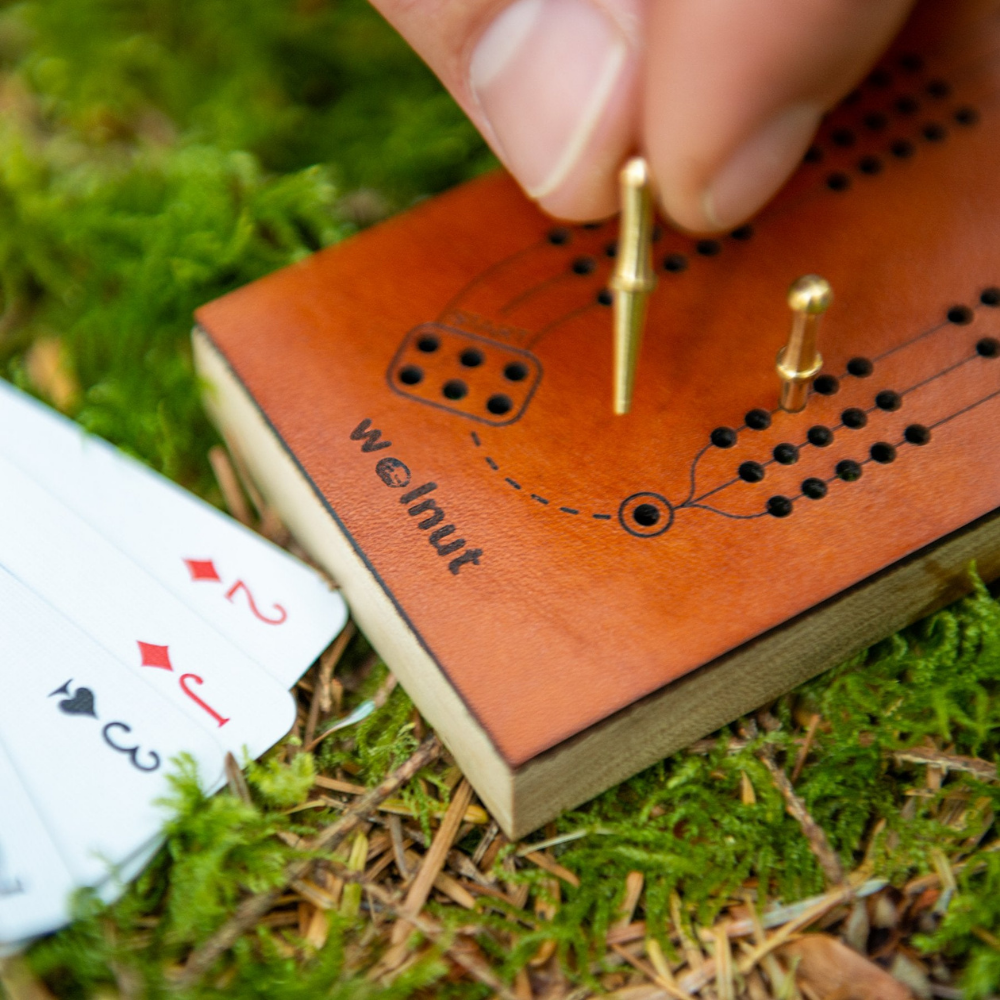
[634, 278]
[799, 361]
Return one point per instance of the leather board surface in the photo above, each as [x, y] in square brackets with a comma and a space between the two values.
[559, 562]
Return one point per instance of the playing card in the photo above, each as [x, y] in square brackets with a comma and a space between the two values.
[137, 620]
[280, 612]
[92, 743]
[35, 883]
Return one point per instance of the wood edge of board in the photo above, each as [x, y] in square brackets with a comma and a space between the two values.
[524, 798]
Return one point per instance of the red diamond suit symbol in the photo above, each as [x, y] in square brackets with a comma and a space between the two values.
[202, 569]
[155, 656]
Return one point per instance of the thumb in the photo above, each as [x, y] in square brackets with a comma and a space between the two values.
[551, 84]
[736, 89]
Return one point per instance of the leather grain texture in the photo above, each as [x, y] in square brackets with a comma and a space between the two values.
[593, 559]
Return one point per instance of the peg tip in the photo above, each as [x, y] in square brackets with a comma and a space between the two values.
[810, 294]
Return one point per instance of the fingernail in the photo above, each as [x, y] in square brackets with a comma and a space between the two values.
[759, 167]
[543, 73]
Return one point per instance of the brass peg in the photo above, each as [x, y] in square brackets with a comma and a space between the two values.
[799, 361]
[634, 278]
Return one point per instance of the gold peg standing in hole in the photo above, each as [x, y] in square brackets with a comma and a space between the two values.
[799, 361]
[634, 278]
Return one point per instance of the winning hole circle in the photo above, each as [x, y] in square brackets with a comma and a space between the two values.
[410, 375]
[645, 515]
[471, 357]
[499, 404]
[454, 389]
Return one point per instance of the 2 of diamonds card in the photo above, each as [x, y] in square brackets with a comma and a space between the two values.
[137, 624]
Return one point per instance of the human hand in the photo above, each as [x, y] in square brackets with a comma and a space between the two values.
[722, 96]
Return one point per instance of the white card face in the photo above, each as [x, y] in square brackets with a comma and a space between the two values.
[280, 612]
[35, 884]
[137, 620]
[92, 743]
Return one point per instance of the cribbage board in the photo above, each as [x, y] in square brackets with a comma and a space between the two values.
[555, 575]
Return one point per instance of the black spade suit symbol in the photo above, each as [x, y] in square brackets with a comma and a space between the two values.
[82, 703]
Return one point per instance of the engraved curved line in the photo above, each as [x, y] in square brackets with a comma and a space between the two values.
[522, 297]
[483, 275]
[557, 322]
[734, 517]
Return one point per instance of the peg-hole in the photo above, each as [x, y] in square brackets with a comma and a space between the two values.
[907, 105]
[814, 154]
[876, 121]
[604, 297]
[934, 132]
[751, 472]
[848, 470]
[410, 375]
[813, 488]
[870, 165]
[902, 149]
[516, 371]
[888, 400]
[938, 88]
[742, 233]
[471, 357]
[779, 506]
[988, 347]
[966, 116]
[883, 452]
[843, 137]
[826, 385]
[785, 453]
[838, 181]
[454, 388]
[990, 297]
[583, 265]
[708, 248]
[860, 367]
[854, 418]
[428, 344]
[960, 315]
[675, 263]
[917, 434]
[646, 515]
[559, 236]
[499, 404]
[758, 420]
[880, 78]
[723, 437]
[819, 436]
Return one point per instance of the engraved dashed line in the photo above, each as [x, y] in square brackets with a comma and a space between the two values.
[475, 439]
[569, 510]
[535, 496]
[493, 465]
[601, 517]
[516, 485]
